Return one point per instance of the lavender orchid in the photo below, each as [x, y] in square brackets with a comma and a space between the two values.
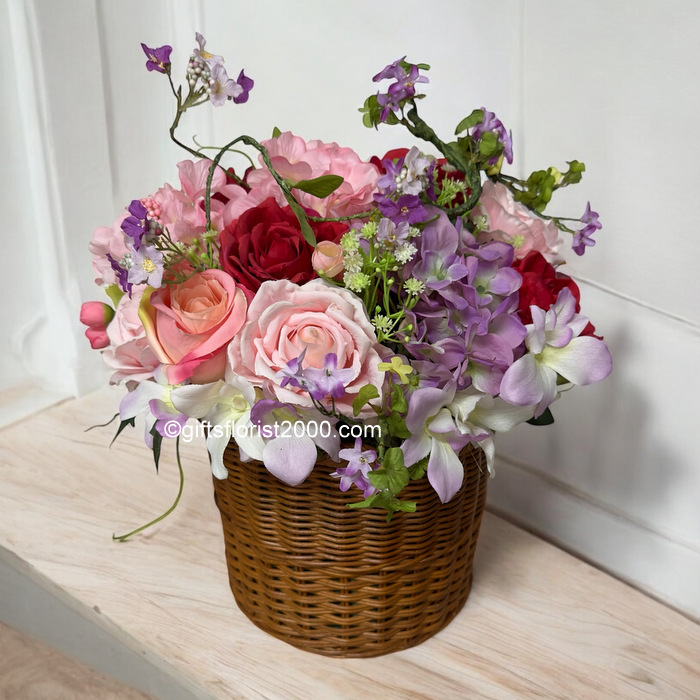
[556, 348]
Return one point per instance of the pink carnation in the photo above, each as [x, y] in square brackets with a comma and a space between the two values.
[182, 211]
[512, 222]
[284, 319]
[296, 159]
[129, 352]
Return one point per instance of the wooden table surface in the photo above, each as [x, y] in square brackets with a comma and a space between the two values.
[539, 623]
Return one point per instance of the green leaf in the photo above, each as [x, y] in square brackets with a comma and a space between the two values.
[306, 230]
[422, 66]
[406, 506]
[397, 426]
[157, 441]
[320, 186]
[122, 425]
[364, 396]
[473, 119]
[488, 145]
[392, 476]
[367, 503]
[276, 133]
[417, 471]
[545, 419]
[398, 400]
[114, 292]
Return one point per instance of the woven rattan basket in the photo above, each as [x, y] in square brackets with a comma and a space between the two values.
[344, 582]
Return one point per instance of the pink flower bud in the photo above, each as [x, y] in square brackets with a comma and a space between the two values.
[97, 337]
[328, 259]
[95, 314]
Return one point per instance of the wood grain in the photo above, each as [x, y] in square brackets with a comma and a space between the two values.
[30, 670]
[539, 622]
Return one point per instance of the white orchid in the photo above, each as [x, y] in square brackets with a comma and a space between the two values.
[225, 408]
[480, 415]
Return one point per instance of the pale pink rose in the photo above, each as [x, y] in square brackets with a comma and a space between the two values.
[284, 319]
[112, 240]
[327, 258]
[296, 159]
[514, 223]
[129, 352]
[182, 211]
[189, 325]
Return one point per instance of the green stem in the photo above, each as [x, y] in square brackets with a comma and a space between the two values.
[306, 229]
[123, 538]
[454, 156]
[361, 215]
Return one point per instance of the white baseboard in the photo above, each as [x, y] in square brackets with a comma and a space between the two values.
[666, 569]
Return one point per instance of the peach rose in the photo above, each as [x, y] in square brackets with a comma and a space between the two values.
[514, 223]
[284, 319]
[129, 353]
[328, 259]
[189, 325]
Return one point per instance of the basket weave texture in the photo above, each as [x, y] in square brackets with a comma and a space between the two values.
[343, 582]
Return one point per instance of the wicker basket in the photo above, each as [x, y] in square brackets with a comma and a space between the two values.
[343, 582]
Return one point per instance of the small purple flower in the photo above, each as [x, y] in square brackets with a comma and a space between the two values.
[246, 85]
[582, 239]
[204, 56]
[221, 87]
[146, 266]
[122, 275]
[491, 123]
[158, 59]
[591, 217]
[294, 374]
[329, 380]
[357, 470]
[393, 70]
[135, 226]
[404, 87]
[392, 234]
[407, 208]
[388, 104]
[387, 183]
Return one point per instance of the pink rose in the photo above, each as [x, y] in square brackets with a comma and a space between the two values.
[514, 223]
[129, 353]
[189, 325]
[107, 239]
[328, 259]
[296, 159]
[284, 319]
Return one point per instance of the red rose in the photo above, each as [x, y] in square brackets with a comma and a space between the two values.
[541, 286]
[266, 243]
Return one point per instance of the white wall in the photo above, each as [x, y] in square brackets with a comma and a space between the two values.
[617, 478]
[610, 83]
